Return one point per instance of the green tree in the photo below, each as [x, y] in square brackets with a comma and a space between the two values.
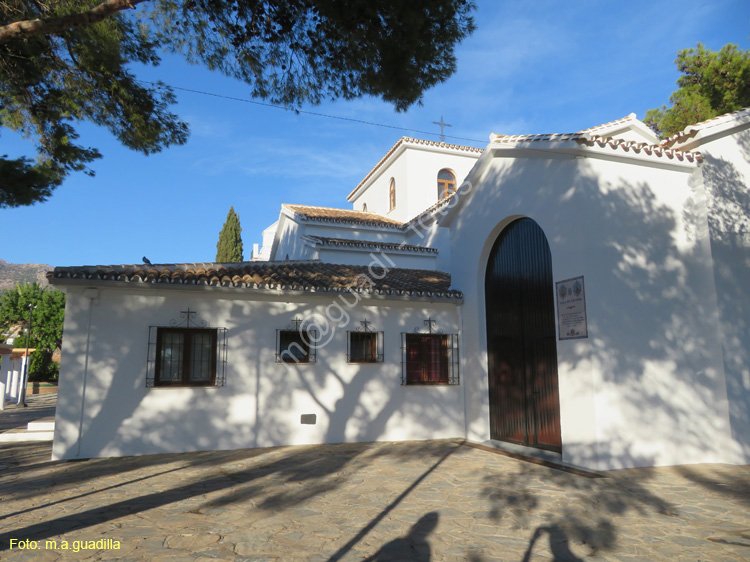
[69, 61]
[48, 313]
[229, 246]
[713, 83]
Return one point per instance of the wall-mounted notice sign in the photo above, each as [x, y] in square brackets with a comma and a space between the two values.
[571, 309]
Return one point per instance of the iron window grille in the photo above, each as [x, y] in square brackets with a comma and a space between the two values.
[296, 345]
[186, 353]
[364, 345]
[429, 357]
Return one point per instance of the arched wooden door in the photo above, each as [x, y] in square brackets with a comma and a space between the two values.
[521, 340]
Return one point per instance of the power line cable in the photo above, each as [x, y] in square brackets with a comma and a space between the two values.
[315, 113]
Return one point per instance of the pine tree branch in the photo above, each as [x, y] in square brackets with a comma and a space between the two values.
[55, 26]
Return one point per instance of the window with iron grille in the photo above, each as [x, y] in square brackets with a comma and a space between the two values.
[429, 359]
[185, 357]
[296, 345]
[365, 347]
[188, 352]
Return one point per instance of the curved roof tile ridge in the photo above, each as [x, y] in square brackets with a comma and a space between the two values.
[717, 121]
[306, 276]
[657, 150]
[622, 121]
[496, 137]
[331, 214]
[582, 134]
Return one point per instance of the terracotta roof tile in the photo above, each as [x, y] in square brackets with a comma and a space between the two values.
[327, 214]
[497, 138]
[588, 139]
[373, 244]
[309, 276]
[717, 121]
[645, 148]
[582, 134]
[610, 124]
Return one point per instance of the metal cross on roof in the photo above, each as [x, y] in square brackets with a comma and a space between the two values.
[443, 125]
[296, 323]
[365, 325]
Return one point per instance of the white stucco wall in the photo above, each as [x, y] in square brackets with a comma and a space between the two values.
[353, 231]
[647, 387]
[376, 196]
[415, 168]
[291, 244]
[386, 257]
[422, 172]
[726, 175]
[105, 350]
[268, 235]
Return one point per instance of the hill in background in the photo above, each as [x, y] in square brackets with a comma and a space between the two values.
[13, 273]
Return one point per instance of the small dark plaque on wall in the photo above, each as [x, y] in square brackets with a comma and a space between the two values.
[308, 419]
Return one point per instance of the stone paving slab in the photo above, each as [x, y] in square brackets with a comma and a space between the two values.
[412, 501]
[39, 407]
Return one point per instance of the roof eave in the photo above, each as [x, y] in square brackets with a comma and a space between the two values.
[609, 148]
[390, 294]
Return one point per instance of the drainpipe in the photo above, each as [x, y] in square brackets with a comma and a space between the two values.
[461, 373]
[91, 295]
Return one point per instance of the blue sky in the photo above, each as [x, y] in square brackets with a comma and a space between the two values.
[531, 67]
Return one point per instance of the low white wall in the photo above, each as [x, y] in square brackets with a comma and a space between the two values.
[647, 387]
[105, 350]
[726, 175]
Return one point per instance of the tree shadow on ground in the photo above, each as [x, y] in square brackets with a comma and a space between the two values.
[237, 475]
[728, 481]
[577, 510]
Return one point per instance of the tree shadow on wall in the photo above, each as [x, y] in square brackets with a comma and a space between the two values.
[652, 331]
[728, 206]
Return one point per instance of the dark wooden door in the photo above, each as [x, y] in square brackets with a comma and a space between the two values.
[521, 344]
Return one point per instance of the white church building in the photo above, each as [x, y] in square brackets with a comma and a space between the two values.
[582, 297]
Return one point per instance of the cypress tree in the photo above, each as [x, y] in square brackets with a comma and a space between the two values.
[229, 246]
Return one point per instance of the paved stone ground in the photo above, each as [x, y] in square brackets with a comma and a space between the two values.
[436, 500]
[40, 407]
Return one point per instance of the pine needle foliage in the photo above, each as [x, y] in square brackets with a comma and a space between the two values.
[229, 246]
[63, 62]
[713, 83]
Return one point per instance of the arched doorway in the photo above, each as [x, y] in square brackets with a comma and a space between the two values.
[521, 339]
